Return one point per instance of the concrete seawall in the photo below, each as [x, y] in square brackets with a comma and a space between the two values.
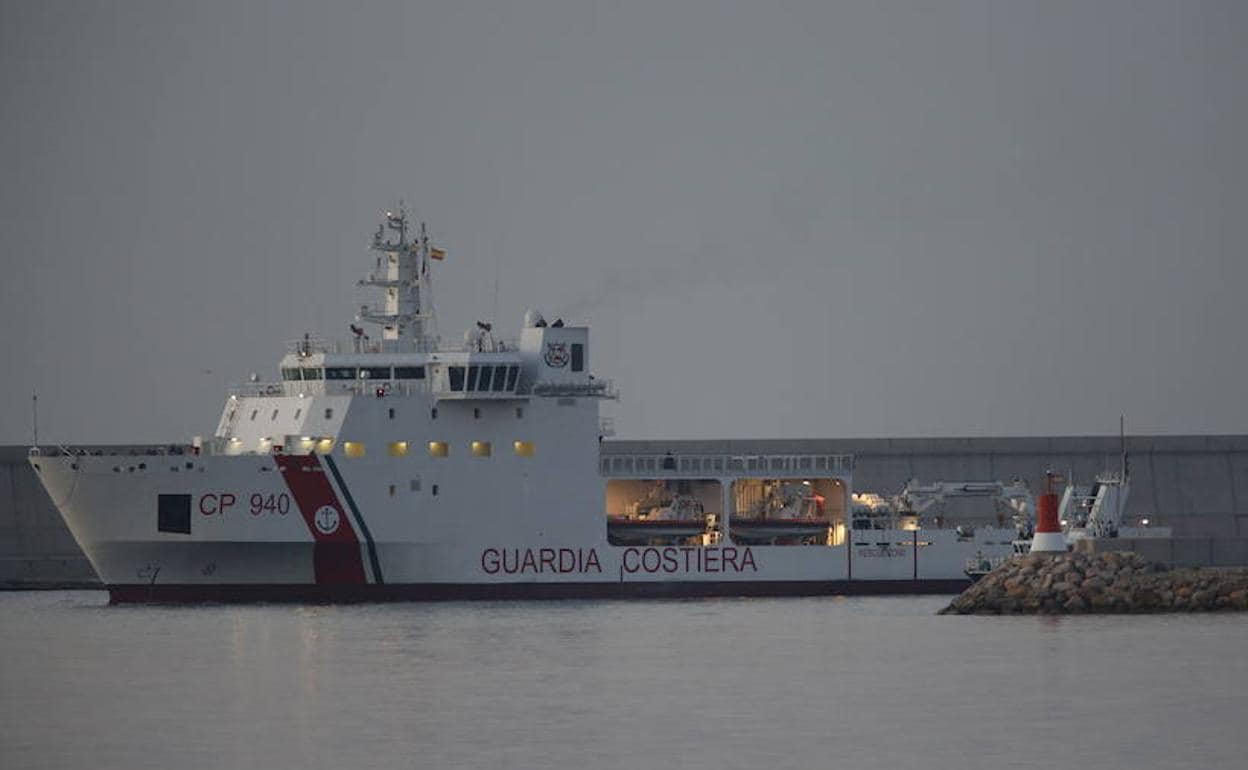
[36, 549]
[1179, 551]
[1198, 485]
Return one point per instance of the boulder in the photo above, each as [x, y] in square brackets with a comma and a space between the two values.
[1105, 582]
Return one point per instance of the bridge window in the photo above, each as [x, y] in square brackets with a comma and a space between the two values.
[340, 373]
[312, 374]
[578, 357]
[500, 378]
[472, 377]
[481, 449]
[524, 448]
[375, 373]
[292, 373]
[439, 449]
[409, 372]
[513, 373]
[456, 376]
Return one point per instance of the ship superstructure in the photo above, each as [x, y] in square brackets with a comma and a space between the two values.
[393, 466]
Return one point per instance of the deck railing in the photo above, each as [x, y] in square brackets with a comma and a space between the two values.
[769, 465]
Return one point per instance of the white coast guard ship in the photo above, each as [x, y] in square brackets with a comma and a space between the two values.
[391, 467]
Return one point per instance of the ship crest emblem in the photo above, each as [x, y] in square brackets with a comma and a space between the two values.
[326, 520]
[556, 354]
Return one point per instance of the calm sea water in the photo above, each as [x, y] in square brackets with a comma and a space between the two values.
[758, 683]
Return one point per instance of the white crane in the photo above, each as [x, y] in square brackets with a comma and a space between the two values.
[920, 497]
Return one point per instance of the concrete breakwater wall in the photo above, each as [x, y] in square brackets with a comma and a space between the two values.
[1205, 551]
[1111, 582]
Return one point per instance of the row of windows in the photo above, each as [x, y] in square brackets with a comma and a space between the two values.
[329, 413]
[310, 374]
[435, 448]
[483, 377]
[273, 416]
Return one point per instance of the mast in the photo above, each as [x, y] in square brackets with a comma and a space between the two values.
[405, 314]
[1122, 489]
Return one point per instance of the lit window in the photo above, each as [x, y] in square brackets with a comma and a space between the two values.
[353, 449]
[524, 448]
[325, 446]
[439, 449]
[481, 449]
[398, 448]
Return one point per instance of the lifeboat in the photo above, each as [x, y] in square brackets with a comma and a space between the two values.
[792, 512]
[682, 518]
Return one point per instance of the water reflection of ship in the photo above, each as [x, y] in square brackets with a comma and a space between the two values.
[787, 511]
[664, 514]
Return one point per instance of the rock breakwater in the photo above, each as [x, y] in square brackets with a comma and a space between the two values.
[1113, 582]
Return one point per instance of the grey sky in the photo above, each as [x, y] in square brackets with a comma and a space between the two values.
[781, 219]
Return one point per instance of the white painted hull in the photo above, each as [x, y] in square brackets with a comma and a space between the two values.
[233, 552]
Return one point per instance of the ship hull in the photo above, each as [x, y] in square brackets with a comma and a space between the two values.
[442, 592]
[305, 529]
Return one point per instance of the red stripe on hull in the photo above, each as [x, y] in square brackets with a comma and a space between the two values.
[343, 593]
[336, 557]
